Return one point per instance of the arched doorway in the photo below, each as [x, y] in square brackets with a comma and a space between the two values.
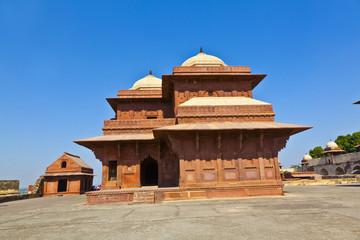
[149, 172]
[356, 168]
[324, 172]
[339, 171]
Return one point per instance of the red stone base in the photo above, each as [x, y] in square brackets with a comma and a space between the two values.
[61, 193]
[170, 194]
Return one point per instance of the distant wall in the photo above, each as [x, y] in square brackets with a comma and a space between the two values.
[335, 165]
[288, 170]
[9, 187]
[343, 158]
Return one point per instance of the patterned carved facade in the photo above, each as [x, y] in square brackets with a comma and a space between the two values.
[196, 128]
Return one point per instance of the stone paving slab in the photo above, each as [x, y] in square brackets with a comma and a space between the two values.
[305, 212]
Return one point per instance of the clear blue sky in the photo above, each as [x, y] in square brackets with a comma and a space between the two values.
[59, 60]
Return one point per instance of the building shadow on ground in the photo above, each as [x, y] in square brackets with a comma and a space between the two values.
[347, 185]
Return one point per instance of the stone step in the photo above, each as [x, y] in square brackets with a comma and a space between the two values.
[137, 196]
[143, 198]
[142, 194]
[133, 203]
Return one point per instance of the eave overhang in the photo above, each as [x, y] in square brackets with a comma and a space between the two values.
[68, 174]
[100, 140]
[333, 151]
[288, 129]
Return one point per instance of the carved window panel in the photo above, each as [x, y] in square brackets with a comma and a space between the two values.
[209, 176]
[269, 173]
[251, 175]
[190, 176]
[230, 176]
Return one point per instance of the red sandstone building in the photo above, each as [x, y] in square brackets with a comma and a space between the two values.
[198, 130]
[68, 175]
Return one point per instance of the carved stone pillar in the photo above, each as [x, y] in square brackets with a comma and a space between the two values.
[260, 150]
[182, 169]
[279, 143]
[67, 185]
[197, 158]
[219, 161]
[119, 166]
[105, 169]
[241, 173]
[161, 165]
[137, 168]
[261, 166]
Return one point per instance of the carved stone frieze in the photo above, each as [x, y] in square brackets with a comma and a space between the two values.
[280, 142]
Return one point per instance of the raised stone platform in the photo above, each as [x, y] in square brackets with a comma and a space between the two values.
[150, 195]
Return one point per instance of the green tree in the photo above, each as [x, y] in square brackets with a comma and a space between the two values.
[316, 152]
[348, 142]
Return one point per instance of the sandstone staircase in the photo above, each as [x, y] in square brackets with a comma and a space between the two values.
[143, 197]
[38, 186]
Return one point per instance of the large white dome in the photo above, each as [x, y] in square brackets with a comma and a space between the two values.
[148, 83]
[203, 60]
[307, 157]
[331, 145]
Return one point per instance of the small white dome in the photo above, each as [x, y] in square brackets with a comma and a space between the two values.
[331, 145]
[203, 60]
[307, 157]
[148, 83]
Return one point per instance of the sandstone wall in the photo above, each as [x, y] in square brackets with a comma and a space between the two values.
[9, 187]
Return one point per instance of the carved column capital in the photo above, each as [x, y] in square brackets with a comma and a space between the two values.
[99, 153]
[280, 143]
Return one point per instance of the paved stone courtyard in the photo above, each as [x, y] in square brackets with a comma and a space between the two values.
[306, 212]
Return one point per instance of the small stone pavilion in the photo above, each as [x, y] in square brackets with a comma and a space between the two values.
[68, 175]
[196, 133]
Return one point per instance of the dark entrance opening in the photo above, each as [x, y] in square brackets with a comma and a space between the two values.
[149, 172]
[62, 185]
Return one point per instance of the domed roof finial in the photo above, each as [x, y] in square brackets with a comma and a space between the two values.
[203, 60]
[150, 72]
